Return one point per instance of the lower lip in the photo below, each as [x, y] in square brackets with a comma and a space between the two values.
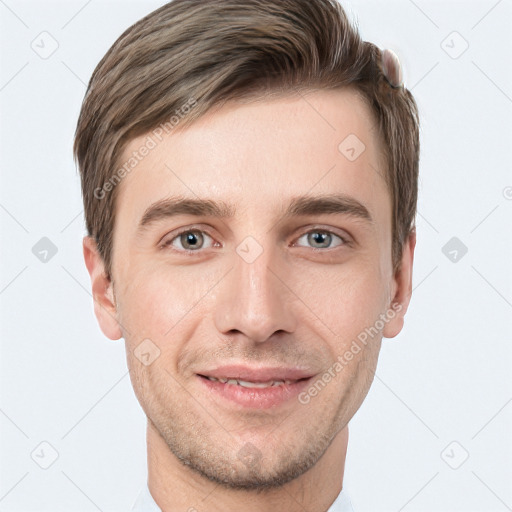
[255, 398]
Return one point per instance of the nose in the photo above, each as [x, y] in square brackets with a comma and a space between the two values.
[255, 299]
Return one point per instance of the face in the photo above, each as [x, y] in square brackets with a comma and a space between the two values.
[275, 278]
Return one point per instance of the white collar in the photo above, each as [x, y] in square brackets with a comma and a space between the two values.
[146, 503]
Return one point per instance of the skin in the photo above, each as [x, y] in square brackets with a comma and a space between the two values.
[302, 301]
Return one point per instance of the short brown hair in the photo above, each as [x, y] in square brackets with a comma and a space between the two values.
[216, 50]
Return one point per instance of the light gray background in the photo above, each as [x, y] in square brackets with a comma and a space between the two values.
[443, 388]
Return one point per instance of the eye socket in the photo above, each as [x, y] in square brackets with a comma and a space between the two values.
[325, 236]
[191, 240]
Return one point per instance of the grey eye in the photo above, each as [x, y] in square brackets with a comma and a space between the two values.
[321, 239]
[190, 240]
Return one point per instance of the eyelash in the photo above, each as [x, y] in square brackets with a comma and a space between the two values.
[168, 243]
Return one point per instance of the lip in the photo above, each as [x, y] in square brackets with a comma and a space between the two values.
[254, 398]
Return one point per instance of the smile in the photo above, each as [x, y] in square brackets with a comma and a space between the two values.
[243, 394]
[249, 384]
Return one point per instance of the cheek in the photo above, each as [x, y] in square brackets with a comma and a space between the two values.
[348, 297]
[149, 307]
[161, 301]
[157, 303]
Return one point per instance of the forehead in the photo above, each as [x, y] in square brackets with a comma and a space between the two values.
[256, 153]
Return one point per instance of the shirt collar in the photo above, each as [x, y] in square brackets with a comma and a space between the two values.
[146, 503]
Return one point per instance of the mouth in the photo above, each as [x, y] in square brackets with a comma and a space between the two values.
[251, 384]
[261, 388]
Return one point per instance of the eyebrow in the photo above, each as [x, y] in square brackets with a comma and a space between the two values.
[298, 206]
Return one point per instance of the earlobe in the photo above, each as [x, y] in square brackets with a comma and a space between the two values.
[102, 291]
[403, 290]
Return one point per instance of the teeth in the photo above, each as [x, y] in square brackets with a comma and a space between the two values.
[218, 380]
[248, 384]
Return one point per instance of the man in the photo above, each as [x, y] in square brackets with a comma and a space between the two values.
[249, 173]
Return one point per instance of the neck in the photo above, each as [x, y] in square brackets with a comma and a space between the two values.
[175, 487]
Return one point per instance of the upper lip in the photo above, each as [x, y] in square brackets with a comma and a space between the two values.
[262, 374]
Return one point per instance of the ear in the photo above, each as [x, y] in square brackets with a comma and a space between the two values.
[402, 289]
[102, 291]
